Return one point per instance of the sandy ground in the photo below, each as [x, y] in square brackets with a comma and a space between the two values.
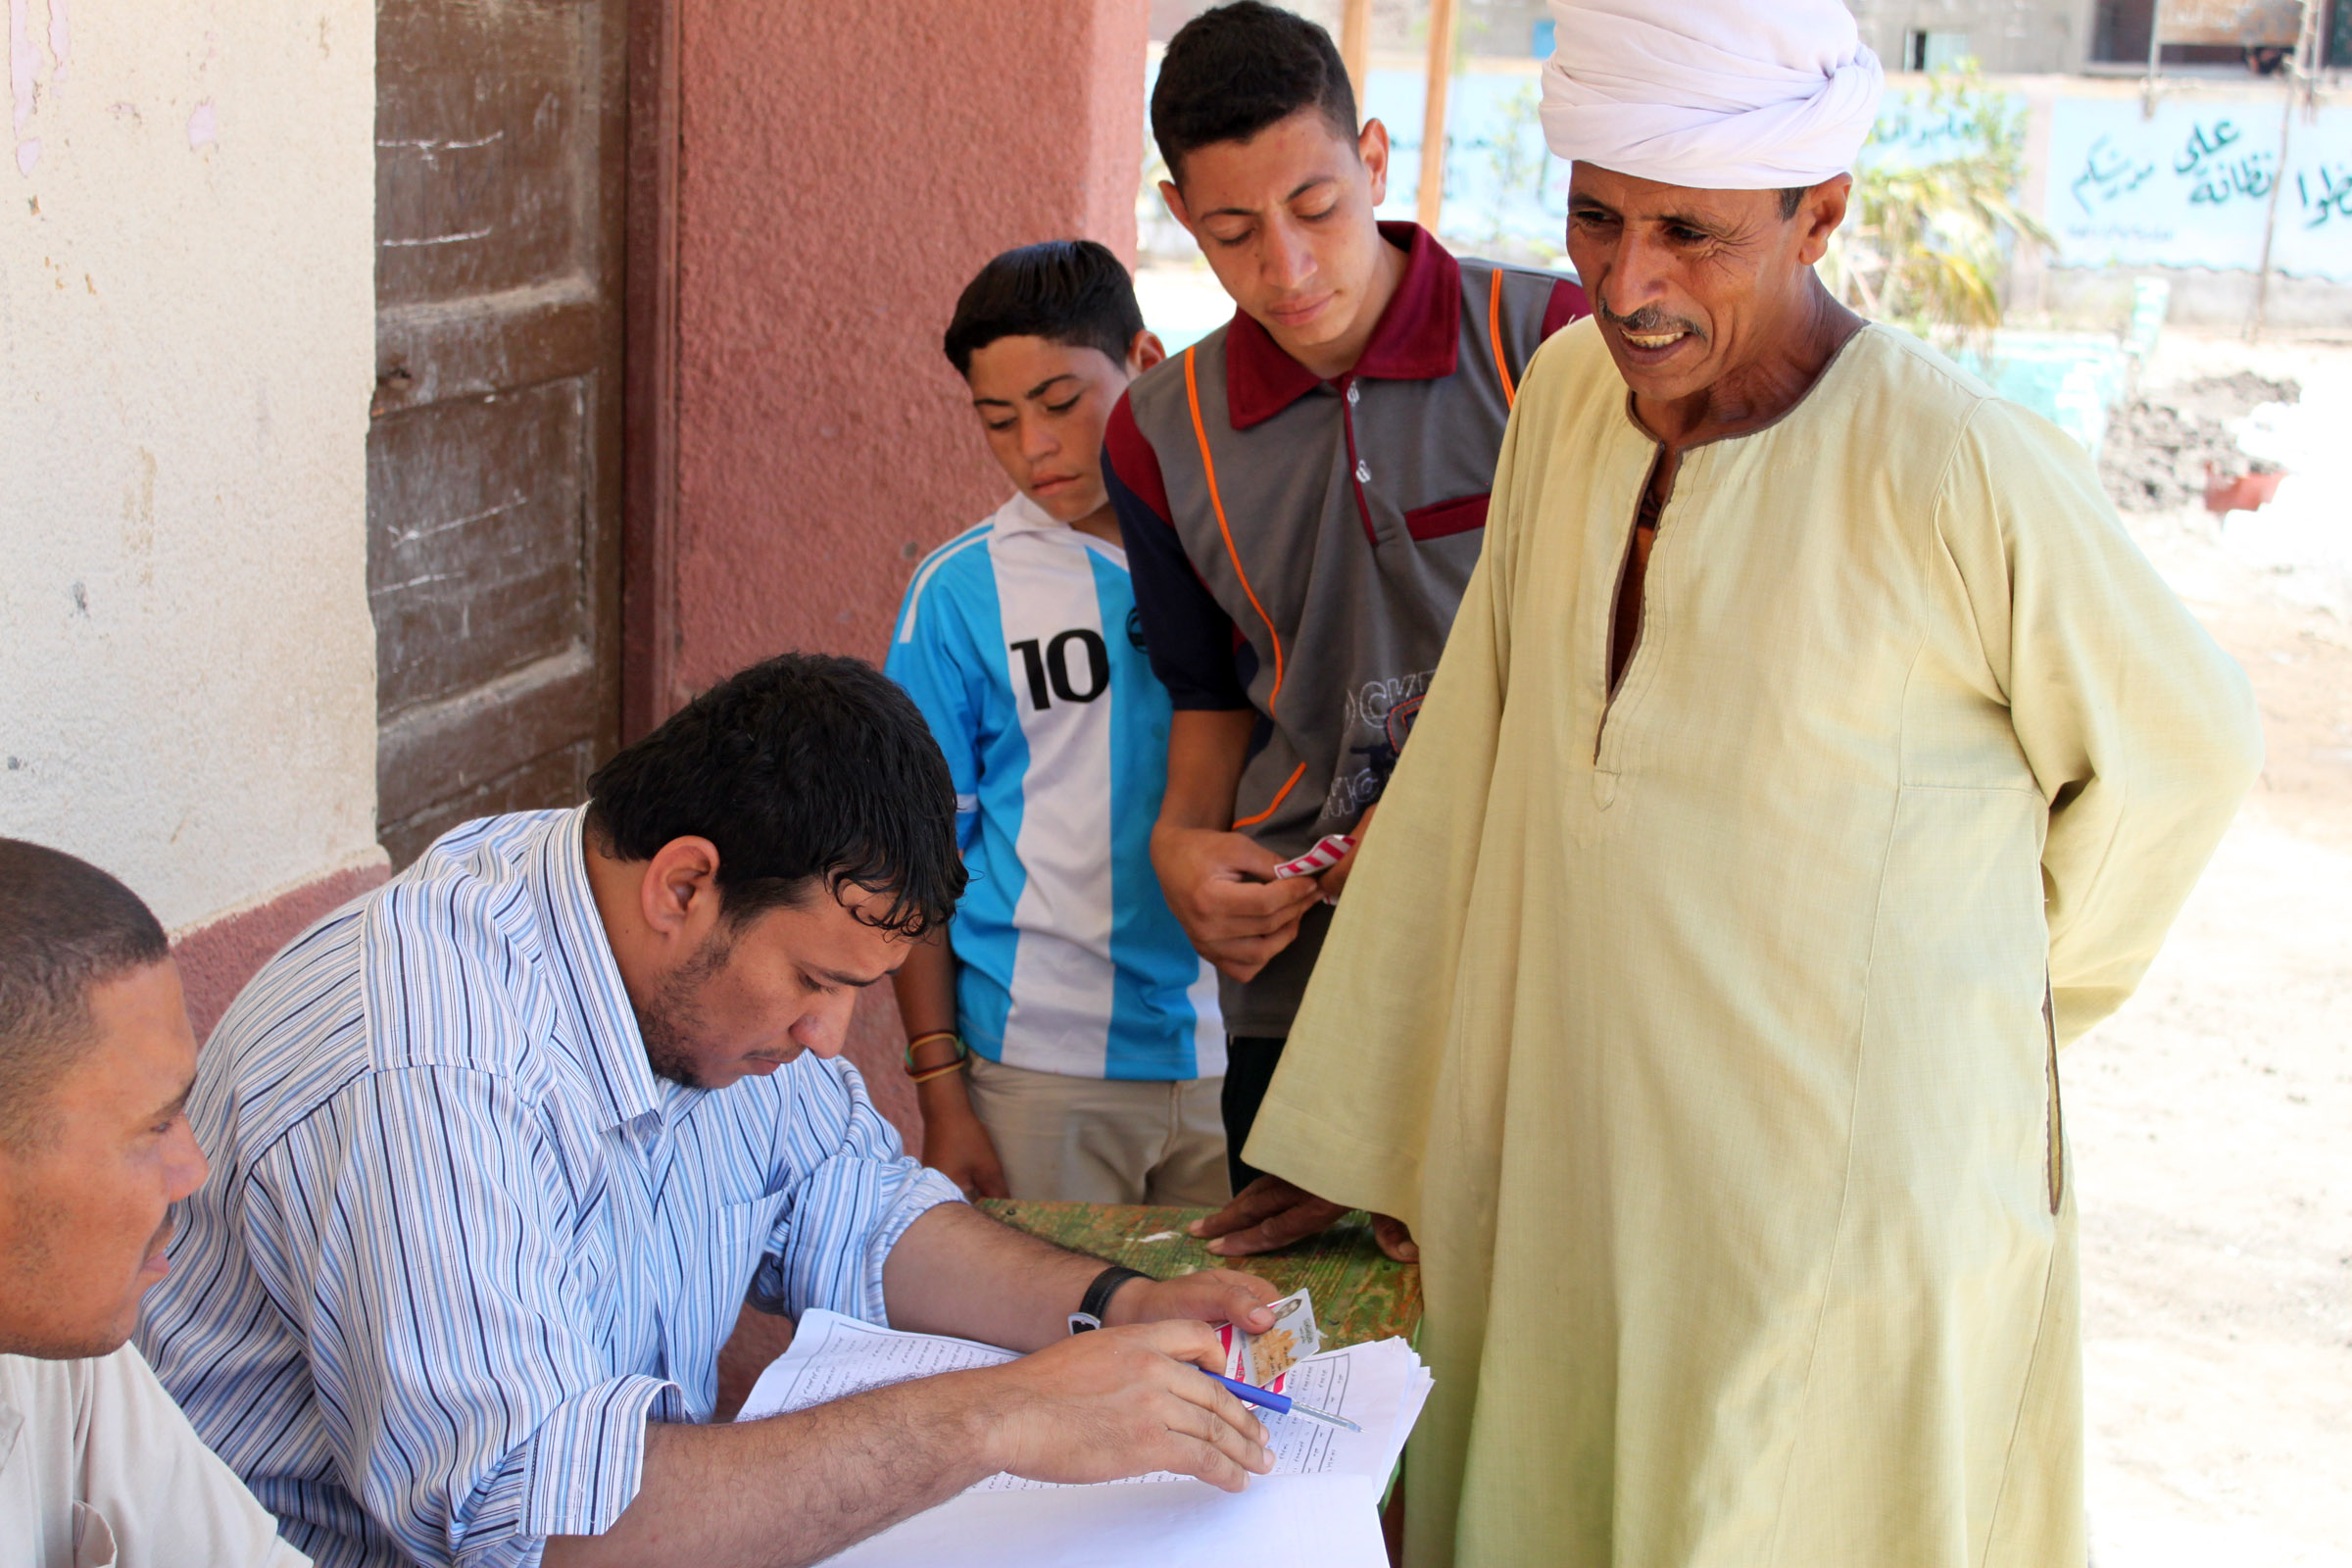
[2211, 1120]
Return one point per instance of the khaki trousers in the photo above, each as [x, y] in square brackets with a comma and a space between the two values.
[1103, 1140]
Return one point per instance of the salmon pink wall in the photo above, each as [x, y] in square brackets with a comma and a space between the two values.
[842, 170]
[216, 959]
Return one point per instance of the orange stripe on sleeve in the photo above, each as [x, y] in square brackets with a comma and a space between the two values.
[1503, 366]
[1252, 822]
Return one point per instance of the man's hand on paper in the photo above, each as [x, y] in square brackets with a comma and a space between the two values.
[1271, 1214]
[1221, 888]
[1212, 1295]
[1121, 1402]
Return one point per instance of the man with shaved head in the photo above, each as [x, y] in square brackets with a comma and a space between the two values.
[1812, 758]
[97, 1465]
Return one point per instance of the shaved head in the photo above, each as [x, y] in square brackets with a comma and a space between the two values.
[64, 927]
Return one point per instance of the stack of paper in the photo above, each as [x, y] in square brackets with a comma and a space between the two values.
[1321, 1501]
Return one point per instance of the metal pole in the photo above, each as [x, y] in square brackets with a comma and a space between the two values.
[2296, 76]
[1356, 50]
[1432, 199]
[2148, 88]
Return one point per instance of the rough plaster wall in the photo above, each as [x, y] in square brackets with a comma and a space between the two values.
[845, 170]
[187, 690]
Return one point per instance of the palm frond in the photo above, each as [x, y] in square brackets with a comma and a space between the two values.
[1926, 239]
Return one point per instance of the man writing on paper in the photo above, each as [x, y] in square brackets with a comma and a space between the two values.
[1812, 756]
[502, 1148]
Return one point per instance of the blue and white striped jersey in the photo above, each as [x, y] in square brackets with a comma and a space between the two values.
[1020, 642]
[459, 1243]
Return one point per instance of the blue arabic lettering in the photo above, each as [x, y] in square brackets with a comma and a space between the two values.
[2334, 199]
[2252, 175]
[2111, 174]
[2249, 176]
[2203, 144]
[1911, 129]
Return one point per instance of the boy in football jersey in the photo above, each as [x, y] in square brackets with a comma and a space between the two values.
[1065, 1036]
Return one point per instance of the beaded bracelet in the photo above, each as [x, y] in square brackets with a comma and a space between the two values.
[923, 1075]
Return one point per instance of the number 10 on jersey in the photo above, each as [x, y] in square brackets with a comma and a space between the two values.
[1050, 673]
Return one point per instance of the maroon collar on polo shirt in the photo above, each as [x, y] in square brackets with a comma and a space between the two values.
[1415, 339]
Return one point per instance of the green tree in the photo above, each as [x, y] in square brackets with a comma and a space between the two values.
[1932, 222]
[1515, 166]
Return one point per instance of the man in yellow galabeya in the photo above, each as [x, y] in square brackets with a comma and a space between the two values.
[1813, 757]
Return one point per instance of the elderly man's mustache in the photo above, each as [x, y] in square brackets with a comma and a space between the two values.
[1648, 321]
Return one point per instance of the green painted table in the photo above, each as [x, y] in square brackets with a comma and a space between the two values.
[1359, 1293]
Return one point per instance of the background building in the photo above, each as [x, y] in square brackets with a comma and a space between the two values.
[403, 403]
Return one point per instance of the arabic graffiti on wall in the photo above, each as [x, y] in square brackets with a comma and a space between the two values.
[2193, 186]
[2324, 195]
[1911, 131]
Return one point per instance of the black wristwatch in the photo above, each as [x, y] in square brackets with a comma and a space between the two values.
[1097, 1297]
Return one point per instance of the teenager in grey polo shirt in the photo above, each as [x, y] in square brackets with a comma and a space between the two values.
[1303, 494]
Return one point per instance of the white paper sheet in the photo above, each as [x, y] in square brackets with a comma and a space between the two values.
[832, 1357]
[1319, 1506]
[1309, 1521]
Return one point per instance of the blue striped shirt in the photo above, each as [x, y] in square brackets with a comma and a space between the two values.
[459, 1243]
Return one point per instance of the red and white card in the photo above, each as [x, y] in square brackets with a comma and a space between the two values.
[1329, 851]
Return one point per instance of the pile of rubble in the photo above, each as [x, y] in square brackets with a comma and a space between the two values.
[2156, 452]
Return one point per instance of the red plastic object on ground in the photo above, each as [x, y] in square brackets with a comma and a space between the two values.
[2239, 491]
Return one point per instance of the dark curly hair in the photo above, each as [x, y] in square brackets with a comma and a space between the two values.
[1232, 71]
[804, 771]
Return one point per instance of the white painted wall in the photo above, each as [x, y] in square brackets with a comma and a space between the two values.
[187, 682]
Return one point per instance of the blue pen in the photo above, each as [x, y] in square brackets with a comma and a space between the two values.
[1246, 1393]
[1279, 1403]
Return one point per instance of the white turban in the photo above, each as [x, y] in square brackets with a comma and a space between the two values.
[1720, 94]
